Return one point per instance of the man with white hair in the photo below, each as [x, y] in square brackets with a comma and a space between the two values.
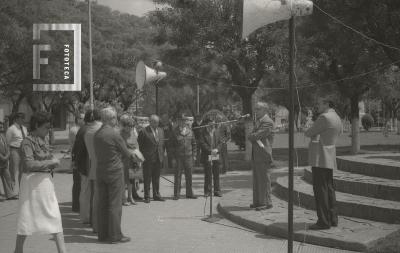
[151, 144]
[110, 150]
[261, 139]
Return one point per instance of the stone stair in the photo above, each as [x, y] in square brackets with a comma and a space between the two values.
[358, 184]
[347, 204]
[367, 188]
[375, 165]
[351, 234]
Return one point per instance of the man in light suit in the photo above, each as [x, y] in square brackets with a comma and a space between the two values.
[322, 157]
[262, 138]
[91, 129]
[151, 144]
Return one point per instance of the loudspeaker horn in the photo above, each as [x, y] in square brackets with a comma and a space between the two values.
[146, 75]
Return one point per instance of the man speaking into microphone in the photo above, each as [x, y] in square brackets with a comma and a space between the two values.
[261, 139]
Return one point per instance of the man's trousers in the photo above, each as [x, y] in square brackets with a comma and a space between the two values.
[15, 167]
[261, 185]
[183, 164]
[109, 208]
[211, 172]
[325, 198]
[76, 189]
[7, 182]
[151, 174]
[84, 199]
[94, 196]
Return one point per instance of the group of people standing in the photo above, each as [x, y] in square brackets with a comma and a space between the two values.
[109, 156]
[10, 158]
[324, 133]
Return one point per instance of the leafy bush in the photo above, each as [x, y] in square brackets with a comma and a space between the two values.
[367, 121]
[238, 135]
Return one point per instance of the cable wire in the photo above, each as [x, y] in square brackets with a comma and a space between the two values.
[354, 30]
[300, 86]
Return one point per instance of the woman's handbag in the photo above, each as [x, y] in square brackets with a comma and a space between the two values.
[136, 172]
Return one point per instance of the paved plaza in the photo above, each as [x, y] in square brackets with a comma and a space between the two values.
[171, 226]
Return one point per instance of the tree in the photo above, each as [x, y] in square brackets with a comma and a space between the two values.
[119, 40]
[387, 89]
[207, 40]
[340, 54]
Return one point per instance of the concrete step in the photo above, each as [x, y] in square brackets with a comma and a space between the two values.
[351, 234]
[357, 184]
[347, 204]
[374, 165]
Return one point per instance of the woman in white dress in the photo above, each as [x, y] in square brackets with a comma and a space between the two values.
[38, 211]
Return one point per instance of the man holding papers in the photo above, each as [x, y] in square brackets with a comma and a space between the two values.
[261, 139]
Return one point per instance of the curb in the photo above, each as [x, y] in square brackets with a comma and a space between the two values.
[280, 230]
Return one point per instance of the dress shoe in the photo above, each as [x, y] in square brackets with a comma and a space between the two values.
[217, 194]
[207, 194]
[175, 198]
[158, 199]
[146, 200]
[122, 240]
[316, 226]
[334, 225]
[191, 197]
[260, 208]
[137, 197]
[13, 197]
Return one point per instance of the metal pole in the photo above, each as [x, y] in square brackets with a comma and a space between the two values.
[211, 190]
[90, 58]
[291, 132]
[198, 98]
[157, 98]
[137, 102]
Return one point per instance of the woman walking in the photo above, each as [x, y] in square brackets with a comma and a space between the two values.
[38, 211]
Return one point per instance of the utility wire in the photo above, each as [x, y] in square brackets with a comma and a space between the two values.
[355, 30]
[304, 85]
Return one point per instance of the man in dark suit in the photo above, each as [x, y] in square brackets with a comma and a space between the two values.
[210, 143]
[197, 132]
[110, 150]
[151, 144]
[80, 158]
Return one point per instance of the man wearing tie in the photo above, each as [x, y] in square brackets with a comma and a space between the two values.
[210, 143]
[151, 144]
[15, 134]
[261, 139]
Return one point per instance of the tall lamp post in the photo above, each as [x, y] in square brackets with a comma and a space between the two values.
[90, 58]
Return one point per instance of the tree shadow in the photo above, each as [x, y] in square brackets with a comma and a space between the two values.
[280, 229]
[237, 208]
[74, 230]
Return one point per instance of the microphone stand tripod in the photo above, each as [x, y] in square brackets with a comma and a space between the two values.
[211, 218]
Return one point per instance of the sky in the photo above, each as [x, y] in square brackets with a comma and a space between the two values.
[135, 7]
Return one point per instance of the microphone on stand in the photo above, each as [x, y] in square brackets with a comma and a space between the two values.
[244, 116]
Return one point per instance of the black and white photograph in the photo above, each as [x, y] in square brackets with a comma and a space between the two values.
[199, 126]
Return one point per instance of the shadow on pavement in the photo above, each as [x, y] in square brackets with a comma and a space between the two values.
[74, 230]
